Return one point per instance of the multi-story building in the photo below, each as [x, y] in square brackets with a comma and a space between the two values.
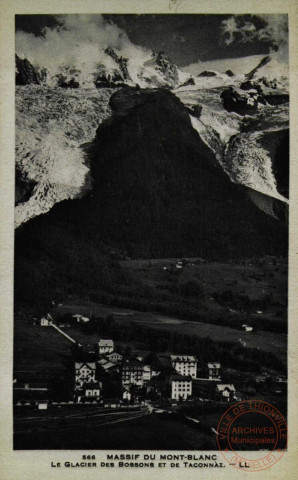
[185, 365]
[105, 346]
[136, 373]
[214, 371]
[84, 373]
[181, 387]
[133, 374]
[86, 385]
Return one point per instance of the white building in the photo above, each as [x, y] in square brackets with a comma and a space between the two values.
[45, 322]
[247, 328]
[133, 374]
[105, 346]
[85, 319]
[126, 395]
[185, 365]
[226, 392]
[92, 390]
[136, 373]
[181, 387]
[114, 357]
[214, 371]
[84, 373]
[80, 318]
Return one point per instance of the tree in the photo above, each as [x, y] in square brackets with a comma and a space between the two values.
[152, 359]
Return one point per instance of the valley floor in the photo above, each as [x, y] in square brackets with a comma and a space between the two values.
[252, 361]
[262, 340]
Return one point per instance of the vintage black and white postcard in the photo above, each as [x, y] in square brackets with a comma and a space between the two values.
[149, 300]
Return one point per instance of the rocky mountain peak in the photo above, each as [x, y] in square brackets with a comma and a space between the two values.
[27, 74]
[261, 64]
[168, 68]
[121, 61]
[157, 71]
[207, 73]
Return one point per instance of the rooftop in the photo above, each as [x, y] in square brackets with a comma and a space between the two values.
[108, 365]
[133, 365]
[106, 342]
[214, 365]
[183, 358]
[222, 387]
[79, 365]
[108, 355]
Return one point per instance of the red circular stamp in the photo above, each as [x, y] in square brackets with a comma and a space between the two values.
[252, 435]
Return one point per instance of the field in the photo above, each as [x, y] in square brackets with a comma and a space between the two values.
[266, 341]
[218, 318]
[38, 349]
[249, 282]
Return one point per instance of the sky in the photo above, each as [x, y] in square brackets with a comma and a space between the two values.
[187, 39]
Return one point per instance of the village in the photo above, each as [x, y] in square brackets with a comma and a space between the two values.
[107, 375]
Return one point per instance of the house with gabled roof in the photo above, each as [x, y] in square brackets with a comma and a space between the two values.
[214, 370]
[226, 392]
[84, 373]
[137, 373]
[107, 365]
[105, 345]
[126, 394]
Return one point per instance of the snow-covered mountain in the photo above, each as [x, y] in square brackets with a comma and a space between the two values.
[51, 125]
[252, 148]
[243, 119]
[271, 71]
[153, 70]
[112, 70]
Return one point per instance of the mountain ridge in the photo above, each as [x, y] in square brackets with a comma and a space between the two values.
[151, 198]
[44, 148]
[156, 71]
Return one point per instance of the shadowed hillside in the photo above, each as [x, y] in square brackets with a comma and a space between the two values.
[158, 191]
